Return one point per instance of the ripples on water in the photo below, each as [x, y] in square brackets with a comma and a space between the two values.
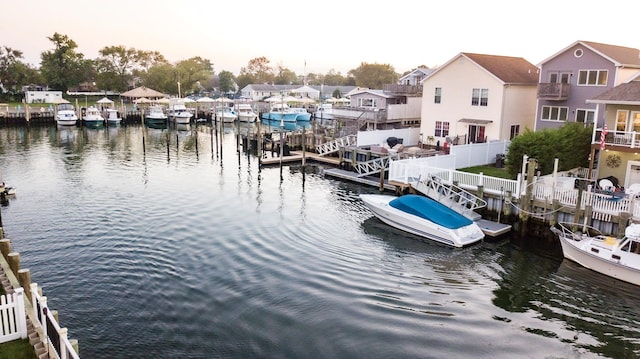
[189, 250]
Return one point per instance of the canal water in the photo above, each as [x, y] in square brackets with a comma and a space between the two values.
[171, 243]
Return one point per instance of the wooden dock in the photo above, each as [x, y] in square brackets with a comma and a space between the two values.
[297, 156]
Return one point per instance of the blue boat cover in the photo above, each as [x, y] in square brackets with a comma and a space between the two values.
[431, 210]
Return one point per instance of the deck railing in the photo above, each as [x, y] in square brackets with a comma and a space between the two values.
[13, 322]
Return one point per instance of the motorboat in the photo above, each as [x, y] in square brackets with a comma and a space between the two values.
[280, 112]
[324, 112]
[615, 257]
[302, 114]
[245, 113]
[424, 217]
[113, 118]
[226, 114]
[178, 112]
[93, 117]
[156, 115]
[66, 115]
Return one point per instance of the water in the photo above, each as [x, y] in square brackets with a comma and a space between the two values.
[183, 247]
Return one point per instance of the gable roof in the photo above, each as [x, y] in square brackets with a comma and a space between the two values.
[620, 56]
[379, 93]
[627, 93]
[510, 70]
[420, 70]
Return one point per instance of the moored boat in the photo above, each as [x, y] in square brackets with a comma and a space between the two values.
[424, 217]
[66, 115]
[324, 112]
[301, 114]
[113, 117]
[156, 115]
[615, 257]
[280, 112]
[178, 112]
[93, 117]
[226, 114]
[246, 113]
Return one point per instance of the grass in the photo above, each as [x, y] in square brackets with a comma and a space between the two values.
[17, 349]
[488, 170]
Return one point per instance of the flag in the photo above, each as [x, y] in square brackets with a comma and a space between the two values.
[603, 134]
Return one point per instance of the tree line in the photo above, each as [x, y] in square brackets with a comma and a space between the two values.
[118, 68]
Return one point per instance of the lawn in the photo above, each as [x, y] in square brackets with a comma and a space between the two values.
[17, 349]
[488, 170]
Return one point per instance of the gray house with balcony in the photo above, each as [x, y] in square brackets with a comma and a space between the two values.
[581, 71]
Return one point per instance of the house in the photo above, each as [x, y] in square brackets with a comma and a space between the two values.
[42, 96]
[415, 77]
[476, 98]
[616, 146]
[581, 71]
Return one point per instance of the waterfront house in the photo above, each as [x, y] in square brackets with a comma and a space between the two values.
[475, 98]
[581, 71]
[617, 148]
[415, 77]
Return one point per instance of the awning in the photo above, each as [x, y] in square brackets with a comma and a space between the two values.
[475, 121]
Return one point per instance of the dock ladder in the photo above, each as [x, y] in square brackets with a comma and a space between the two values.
[452, 196]
[335, 145]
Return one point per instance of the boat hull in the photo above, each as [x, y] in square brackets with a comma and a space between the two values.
[458, 237]
[182, 118]
[581, 253]
[275, 116]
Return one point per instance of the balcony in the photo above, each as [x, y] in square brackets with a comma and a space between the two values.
[398, 89]
[553, 91]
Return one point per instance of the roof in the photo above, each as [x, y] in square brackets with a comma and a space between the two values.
[619, 55]
[625, 93]
[379, 93]
[510, 70]
[142, 92]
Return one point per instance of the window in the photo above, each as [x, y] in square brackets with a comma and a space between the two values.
[554, 113]
[367, 102]
[438, 95]
[480, 97]
[442, 129]
[622, 116]
[592, 77]
[585, 116]
[515, 130]
[559, 77]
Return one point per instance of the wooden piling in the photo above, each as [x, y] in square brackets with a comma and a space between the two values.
[5, 247]
[13, 259]
[24, 278]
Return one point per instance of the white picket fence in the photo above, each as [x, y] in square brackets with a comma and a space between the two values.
[13, 321]
[55, 336]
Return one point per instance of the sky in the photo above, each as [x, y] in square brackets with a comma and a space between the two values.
[319, 36]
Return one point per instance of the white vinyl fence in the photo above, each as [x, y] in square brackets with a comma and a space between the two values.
[13, 321]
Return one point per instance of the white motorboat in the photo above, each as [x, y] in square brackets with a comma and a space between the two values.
[245, 113]
[424, 217]
[615, 257]
[178, 112]
[226, 114]
[324, 112]
[93, 117]
[66, 115]
[113, 117]
[156, 115]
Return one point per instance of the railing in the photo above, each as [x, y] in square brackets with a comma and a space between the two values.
[13, 320]
[402, 89]
[617, 138]
[553, 91]
[54, 335]
[454, 197]
[335, 145]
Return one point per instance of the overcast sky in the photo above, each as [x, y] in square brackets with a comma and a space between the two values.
[328, 34]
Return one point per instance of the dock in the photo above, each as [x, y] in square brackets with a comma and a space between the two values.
[297, 156]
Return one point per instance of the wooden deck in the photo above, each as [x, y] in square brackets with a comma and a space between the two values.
[297, 156]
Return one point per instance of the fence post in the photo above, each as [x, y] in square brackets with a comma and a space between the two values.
[21, 319]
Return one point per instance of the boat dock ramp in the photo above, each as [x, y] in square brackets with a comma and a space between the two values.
[455, 197]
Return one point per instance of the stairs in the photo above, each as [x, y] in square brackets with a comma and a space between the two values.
[335, 145]
[452, 196]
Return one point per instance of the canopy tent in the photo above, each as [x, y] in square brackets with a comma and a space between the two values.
[205, 100]
[142, 91]
[280, 99]
[142, 100]
[305, 100]
[104, 101]
[164, 100]
[222, 100]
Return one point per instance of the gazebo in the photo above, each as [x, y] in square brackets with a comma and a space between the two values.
[143, 91]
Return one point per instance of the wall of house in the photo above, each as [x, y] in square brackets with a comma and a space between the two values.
[457, 80]
[567, 61]
[410, 110]
[519, 109]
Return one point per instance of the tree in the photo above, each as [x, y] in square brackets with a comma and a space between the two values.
[63, 67]
[285, 76]
[114, 66]
[374, 76]
[226, 82]
[258, 70]
[160, 77]
[333, 78]
[571, 144]
[14, 73]
[189, 73]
